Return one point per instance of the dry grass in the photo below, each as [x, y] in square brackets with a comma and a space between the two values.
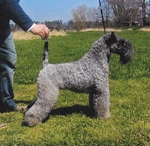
[113, 29]
[58, 33]
[101, 29]
[145, 29]
[21, 35]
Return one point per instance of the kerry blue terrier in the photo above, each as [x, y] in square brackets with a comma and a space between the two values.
[89, 75]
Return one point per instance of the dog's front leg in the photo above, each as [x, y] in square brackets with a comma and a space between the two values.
[47, 97]
[99, 102]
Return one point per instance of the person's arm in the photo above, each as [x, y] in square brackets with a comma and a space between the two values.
[24, 21]
[18, 15]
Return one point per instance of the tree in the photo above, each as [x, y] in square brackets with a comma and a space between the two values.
[143, 11]
[124, 11]
[80, 17]
[70, 25]
[107, 12]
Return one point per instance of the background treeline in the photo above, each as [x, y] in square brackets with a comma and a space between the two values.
[117, 14]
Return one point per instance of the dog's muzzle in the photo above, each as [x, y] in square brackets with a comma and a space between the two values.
[126, 57]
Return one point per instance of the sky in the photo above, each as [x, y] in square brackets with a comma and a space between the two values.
[50, 10]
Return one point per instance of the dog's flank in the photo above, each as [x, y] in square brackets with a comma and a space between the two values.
[89, 74]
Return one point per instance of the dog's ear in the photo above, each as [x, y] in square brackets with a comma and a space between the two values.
[111, 39]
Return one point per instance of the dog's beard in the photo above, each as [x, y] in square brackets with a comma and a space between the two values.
[127, 57]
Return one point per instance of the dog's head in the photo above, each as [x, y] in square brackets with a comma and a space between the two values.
[119, 46]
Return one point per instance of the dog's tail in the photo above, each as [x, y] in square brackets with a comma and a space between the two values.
[45, 54]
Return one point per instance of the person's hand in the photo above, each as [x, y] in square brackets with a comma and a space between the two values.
[41, 30]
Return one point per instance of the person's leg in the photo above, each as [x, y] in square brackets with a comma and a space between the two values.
[7, 68]
[6, 86]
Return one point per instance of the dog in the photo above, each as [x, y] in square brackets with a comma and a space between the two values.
[87, 75]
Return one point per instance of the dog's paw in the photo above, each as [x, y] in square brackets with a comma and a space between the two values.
[30, 121]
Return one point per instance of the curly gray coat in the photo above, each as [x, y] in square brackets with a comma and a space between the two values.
[89, 75]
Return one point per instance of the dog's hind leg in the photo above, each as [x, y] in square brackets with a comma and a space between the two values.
[47, 97]
[99, 102]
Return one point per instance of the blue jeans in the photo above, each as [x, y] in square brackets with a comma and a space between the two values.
[7, 67]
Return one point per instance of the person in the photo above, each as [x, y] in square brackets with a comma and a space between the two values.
[11, 10]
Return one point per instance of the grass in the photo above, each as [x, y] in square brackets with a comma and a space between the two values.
[69, 123]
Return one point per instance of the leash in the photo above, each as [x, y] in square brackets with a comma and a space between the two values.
[45, 53]
[100, 6]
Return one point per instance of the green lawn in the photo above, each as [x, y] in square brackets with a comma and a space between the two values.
[70, 123]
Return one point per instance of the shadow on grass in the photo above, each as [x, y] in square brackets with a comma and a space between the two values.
[22, 101]
[71, 109]
[62, 110]
[66, 111]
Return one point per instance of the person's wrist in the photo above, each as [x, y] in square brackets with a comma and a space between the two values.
[31, 27]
